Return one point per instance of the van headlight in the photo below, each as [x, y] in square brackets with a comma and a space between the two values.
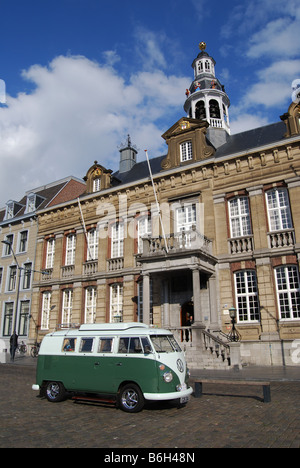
[168, 377]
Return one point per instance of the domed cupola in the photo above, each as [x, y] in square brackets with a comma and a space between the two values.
[207, 99]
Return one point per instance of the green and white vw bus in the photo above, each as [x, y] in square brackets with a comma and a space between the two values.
[128, 361]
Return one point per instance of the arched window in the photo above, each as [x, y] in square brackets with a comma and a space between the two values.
[214, 109]
[199, 67]
[207, 66]
[200, 112]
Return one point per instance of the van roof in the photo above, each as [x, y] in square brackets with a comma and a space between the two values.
[111, 326]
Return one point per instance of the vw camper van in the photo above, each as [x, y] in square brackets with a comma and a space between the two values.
[128, 361]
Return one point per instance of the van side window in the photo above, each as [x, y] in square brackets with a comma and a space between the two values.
[105, 345]
[135, 346]
[69, 344]
[146, 345]
[123, 345]
[130, 345]
[86, 345]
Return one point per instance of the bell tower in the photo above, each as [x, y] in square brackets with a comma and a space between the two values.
[206, 98]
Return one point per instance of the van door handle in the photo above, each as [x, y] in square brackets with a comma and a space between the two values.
[119, 364]
[97, 364]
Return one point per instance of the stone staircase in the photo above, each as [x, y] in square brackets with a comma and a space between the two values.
[207, 351]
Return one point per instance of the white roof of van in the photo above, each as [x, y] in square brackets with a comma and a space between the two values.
[111, 326]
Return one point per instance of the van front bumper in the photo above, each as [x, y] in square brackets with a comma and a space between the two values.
[168, 396]
[35, 387]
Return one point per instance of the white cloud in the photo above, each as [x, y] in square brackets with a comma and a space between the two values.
[245, 121]
[148, 47]
[265, 36]
[279, 38]
[80, 111]
[272, 86]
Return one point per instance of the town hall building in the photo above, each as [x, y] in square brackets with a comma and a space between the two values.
[193, 240]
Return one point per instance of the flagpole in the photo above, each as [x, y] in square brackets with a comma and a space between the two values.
[157, 204]
[84, 228]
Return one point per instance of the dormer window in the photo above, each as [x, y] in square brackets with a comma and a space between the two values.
[186, 151]
[9, 211]
[33, 202]
[12, 208]
[97, 184]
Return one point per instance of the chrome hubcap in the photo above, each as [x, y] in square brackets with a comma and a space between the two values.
[129, 399]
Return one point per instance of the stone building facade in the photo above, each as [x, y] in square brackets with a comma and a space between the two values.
[18, 236]
[181, 239]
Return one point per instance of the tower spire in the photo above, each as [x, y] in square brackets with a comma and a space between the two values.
[206, 98]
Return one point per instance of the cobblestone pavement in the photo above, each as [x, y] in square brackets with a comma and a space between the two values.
[224, 417]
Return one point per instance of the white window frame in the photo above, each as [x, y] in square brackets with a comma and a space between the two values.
[46, 308]
[9, 210]
[117, 240]
[116, 302]
[248, 296]
[279, 213]
[8, 314]
[12, 278]
[239, 217]
[27, 276]
[31, 202]
[50, 254]
[23, 241]
[23, 327]
[97, 184]
[186, 217]
[186, 151]
[289, 295]
[67, 305]
[90, 304]
[70, 249]
[7, 248]
[92, 247]
[144, 228]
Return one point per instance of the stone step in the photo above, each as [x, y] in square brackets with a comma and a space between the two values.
[200, 359]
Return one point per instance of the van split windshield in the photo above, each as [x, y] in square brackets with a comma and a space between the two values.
[165, 344]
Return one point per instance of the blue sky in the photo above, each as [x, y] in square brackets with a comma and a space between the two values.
[81, 74]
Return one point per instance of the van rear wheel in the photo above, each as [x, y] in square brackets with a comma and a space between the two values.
[55, 392]
[131, 398]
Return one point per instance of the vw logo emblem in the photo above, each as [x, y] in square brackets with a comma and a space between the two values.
[180, 365]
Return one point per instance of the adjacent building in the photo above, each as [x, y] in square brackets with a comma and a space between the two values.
[18, 236]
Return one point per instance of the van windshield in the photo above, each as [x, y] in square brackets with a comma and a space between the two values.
[165, 343]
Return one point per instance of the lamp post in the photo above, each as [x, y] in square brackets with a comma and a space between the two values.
[15, 313]
[234, 334]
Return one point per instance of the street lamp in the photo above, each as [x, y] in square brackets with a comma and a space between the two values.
[14, 341]
[234, 334]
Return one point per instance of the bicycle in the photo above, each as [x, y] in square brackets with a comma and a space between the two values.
[34, 352]
[22, 348]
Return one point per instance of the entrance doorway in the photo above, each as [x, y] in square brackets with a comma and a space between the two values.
[187, 319]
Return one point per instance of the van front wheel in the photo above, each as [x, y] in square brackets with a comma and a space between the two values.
[131, 398]
[55, 391]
